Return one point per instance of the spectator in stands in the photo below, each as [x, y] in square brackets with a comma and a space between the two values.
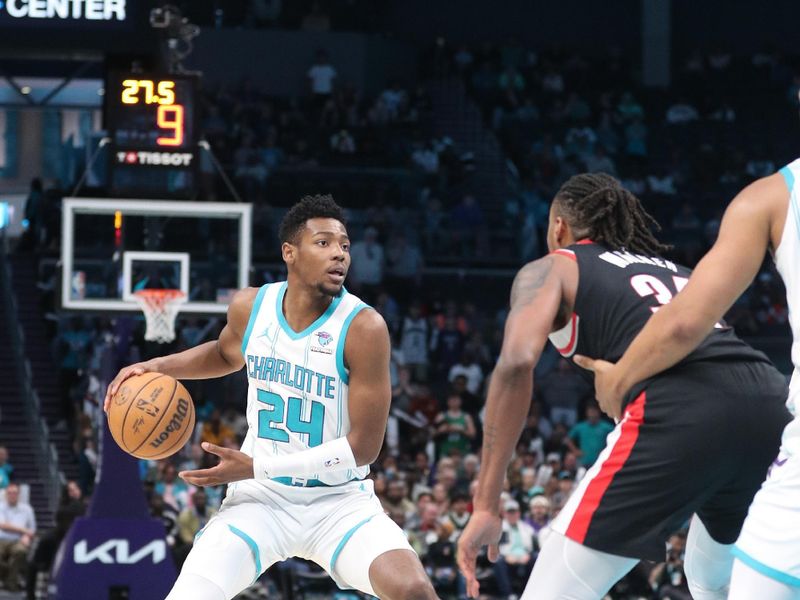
[455, 429]
[433, 219]
[564, 487]
[668, 579]
[17, 529]
[396, 100]
[468, 227]
[553, 82]
[414, 342]
[459, 515]
[190, 521]
[636, 138]
[588, 438]
[447, 342]
[629, 109]
[404, 264]
[173, 490]
[342, 142]
[539, 516]
[6, 468]
[440, 559]
[396, 499]
[167, 515]
[87, 464]
[322, 79]
[73, 349]
[425, 532]
[216, 432]
[72, 499]
[517, 550]
[46, 549]
[682, 112]
[34, 215]
[468, 367]
[366, 268]
[470, 402]
[563, 390]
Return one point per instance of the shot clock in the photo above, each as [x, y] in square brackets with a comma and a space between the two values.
[152, 125]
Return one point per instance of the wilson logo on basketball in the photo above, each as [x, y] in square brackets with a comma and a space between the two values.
[174, 424]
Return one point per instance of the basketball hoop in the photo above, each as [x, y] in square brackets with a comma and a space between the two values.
[160, 307]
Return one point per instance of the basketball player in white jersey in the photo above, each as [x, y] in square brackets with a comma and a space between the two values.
[317, 362]
[765, 560]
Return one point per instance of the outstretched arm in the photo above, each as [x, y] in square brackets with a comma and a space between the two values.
[719, 279]
[535, 300]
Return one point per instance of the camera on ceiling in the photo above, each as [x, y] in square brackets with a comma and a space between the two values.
[164, 17]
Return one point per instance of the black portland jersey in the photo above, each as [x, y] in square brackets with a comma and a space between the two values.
[617, 293]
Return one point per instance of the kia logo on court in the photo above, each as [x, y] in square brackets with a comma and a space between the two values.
[78, 10]
[117, 552]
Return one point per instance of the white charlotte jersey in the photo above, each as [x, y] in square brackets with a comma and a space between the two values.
[298, 383]
[787, 260]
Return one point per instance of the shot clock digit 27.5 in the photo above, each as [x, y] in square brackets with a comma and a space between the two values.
[151, 119]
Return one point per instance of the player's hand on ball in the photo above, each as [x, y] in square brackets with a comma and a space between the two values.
[125, 373]
[606, 384]
[484, 528]
[233, 466]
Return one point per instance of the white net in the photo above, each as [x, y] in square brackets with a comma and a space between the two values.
[160, 307]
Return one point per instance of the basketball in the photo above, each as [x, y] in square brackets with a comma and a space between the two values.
[151, 416]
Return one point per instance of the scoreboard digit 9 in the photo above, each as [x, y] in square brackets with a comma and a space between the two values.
[151, 120]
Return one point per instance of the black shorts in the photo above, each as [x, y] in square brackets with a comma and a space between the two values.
[697, 439]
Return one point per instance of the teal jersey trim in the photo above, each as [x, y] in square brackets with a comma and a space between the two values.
[199, 533]
[308, 482]
[343, 374]
[764, 569]
[344, 540]
[788, 176]
[253, 315]
[294, 335]
[253, 548]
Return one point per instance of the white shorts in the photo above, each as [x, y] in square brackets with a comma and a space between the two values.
[342, 529]
[770, 538]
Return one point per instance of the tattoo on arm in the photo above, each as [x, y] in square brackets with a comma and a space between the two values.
[489, 437]
[529, 281]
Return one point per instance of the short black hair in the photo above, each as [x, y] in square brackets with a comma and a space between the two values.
[460, 496]
[319, 206]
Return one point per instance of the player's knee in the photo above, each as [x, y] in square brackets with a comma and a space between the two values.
[418, 588]
[703, 587]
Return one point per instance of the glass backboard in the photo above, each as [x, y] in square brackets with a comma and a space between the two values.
[111, 248]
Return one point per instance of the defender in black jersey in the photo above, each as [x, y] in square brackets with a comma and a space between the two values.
[696, 439]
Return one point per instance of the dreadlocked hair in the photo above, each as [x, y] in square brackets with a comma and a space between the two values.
[320, 206]
[597, 207]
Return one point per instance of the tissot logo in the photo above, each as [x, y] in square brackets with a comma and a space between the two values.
[90, 10]
[165, 159]
[117, 552]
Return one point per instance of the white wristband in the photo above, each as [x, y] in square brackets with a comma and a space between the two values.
[336, 455]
